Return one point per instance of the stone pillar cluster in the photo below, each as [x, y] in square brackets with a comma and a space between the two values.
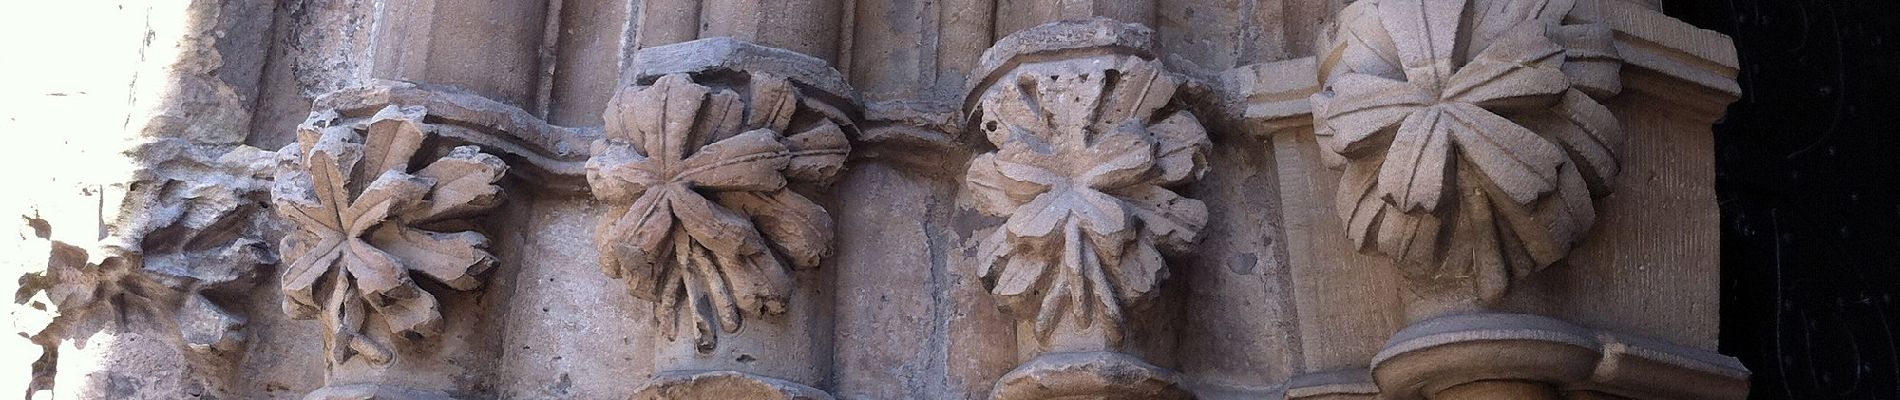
[1014, 200]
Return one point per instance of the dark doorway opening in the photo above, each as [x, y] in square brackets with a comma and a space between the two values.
[1808, 175]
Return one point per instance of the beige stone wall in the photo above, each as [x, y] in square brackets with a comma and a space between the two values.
[854, 199]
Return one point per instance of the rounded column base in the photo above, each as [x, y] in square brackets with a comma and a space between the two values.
[723, 385]
[375, 392]
[1089, 375]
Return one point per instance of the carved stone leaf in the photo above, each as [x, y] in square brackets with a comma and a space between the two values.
[1418, 162]
[997, 194]
[310, 261]
[1519, 70]
[817, 154]
[1363, 107]
[1425, 36]
[633, 244]
[464, 185]
[1094, 210]
[759, 283]
[992, 253]
[794, 225]
[1590, 59]
[750, 161]
[411, 313]
[1171, 221]
[1140, 270]
[1181, 148]
[1119, 159]
[774, 101]
[392, 138]
[1490, 19]
[391, 193]
[1588, 132]
[1138, 91]
[455, 259]
[1363, 44]
[1513, 158]
[618, 173]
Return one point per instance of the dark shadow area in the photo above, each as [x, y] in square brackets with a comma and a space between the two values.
[1808, 175]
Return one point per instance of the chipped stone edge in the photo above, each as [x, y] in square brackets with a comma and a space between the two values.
[1071, 38]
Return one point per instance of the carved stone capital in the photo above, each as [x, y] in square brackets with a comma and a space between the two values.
[1484, 356]
[1089, 145]
[1472, 157]
[372, 209]
[709, 167]
[1091, 140]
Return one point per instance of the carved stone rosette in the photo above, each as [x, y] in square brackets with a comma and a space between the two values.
[695, 183]
[372, 212]
[704, 169]
[1471, 135]
[1089, 144]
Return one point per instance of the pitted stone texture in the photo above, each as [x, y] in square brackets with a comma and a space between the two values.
[1059, 39]
[360, 207]
[723, 385]
[1090, 375]
[375, 392]
[720, 53]
[702, 216]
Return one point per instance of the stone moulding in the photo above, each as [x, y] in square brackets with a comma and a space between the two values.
[1090, 375]
[1435, 355]
[365, 220]
[1089, 140]
[1529, 355]
[549, 156]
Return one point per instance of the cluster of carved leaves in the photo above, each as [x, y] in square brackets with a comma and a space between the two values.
[701, 220]
[1471, 134]
[187, 229]
[367, 221]
[1086, 153]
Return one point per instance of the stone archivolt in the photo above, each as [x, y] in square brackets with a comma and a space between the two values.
[1471, 155]
[366, 220]
[1086, 154]
[701, 220]
[1472, 137]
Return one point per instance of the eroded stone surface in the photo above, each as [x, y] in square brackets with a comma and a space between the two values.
[1088, 150]
[696, 181]
[365, 223]
[723, 385]
[1090, 375]
[1061, 212]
